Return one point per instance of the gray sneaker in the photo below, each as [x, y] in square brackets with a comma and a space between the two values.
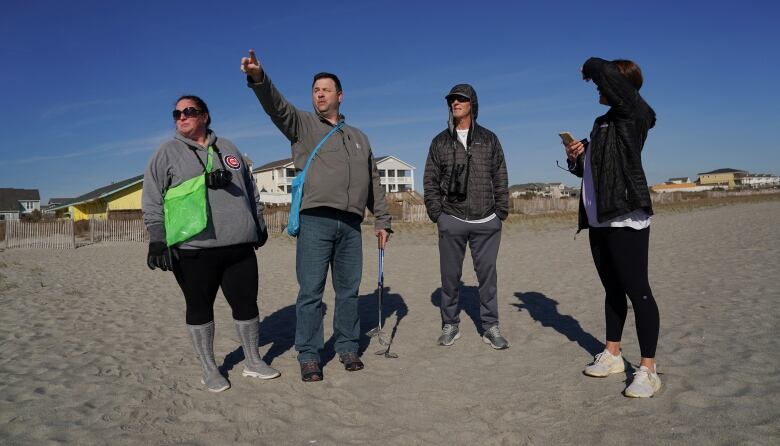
[493, 337]
[449, 334]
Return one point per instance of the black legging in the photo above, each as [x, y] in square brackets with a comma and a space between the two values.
[201, 272]
[620, 255]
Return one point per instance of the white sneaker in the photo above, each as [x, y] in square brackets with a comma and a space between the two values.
[644, 385]
[605, 364]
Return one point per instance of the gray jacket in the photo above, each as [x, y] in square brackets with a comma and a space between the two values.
[343, 173]
[232, 209]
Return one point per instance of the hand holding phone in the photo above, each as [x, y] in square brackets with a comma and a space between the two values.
[566, 137]
[573, 147]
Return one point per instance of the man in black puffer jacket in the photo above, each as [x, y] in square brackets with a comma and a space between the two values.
[466, 194]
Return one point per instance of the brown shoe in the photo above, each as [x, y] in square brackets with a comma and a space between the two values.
[310, 371]
[351, 361]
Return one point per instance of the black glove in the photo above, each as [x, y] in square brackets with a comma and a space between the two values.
[159, 256]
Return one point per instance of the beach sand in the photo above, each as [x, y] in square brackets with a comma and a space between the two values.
[94, 348]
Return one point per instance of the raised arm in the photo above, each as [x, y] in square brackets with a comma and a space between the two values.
[283, 114]
[620, 94]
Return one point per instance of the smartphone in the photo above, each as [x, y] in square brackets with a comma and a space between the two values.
[566, 137]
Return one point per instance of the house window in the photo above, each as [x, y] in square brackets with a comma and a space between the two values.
[288, 189]
[403, 187]
[391, 173]
[404, 173]
[273, 174]
[382, 173]
[290, 172]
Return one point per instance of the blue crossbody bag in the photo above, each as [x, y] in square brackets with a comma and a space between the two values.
[294, 223]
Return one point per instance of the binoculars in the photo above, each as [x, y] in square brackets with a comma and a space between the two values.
[459, 181]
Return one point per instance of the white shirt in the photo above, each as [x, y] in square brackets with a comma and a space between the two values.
[637, 219]
[462, 136]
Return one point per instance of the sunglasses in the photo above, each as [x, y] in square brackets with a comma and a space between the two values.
[189, 112]
[461, 99]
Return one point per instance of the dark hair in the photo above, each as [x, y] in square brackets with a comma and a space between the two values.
[631, 72]
[324, 75]
[200, 103]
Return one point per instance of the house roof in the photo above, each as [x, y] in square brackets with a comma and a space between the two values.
[100, 192]
[679, 179]
[53, 201]
[387, 157]
[726, 170]
[10, 197]
[273, 165]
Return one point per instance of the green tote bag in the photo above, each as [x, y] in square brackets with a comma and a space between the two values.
[185, 208]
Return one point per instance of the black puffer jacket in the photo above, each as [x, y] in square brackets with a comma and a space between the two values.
[616, 143]
[487, 191]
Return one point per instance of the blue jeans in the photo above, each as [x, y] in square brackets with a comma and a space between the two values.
[328, 237]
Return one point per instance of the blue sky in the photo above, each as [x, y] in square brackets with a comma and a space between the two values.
[87, 86]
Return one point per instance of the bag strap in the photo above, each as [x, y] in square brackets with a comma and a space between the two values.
[209, 164]
[314, 152]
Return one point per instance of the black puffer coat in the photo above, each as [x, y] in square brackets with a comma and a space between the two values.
[487, 191]
[616, 143]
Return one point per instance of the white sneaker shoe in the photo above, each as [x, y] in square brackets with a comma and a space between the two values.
[605, 364]
[644, 385]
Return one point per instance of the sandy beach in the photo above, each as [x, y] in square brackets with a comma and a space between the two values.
[95, 351]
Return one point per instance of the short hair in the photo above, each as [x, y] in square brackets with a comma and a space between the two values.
[199, 102]
[325, 75]
[630, 71]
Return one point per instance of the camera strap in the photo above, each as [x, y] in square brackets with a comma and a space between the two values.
[207, 167]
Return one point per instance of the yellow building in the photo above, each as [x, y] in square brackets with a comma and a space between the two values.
[721, 177]
[117, 200]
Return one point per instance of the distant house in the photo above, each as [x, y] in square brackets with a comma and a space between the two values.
[721, 177]
[394, 174]
[679, 180]
[758, 180]
[118, 200]
[17, 202]
[274, 179]
[54, 202]
[549, 190]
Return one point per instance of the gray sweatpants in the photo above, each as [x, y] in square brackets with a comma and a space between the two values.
[483, 240]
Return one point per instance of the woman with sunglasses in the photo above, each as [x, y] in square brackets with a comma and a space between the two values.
[222, 254]
[615, 206]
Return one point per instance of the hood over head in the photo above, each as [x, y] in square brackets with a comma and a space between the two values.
[468, 91]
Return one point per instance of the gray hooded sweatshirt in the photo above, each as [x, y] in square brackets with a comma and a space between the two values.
[232, 209]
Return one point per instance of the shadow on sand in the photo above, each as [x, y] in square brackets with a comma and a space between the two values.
[545, 311]
[278, 328]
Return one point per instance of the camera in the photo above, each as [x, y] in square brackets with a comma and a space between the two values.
[218, 179]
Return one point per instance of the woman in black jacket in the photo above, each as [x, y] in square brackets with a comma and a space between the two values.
[615, 206]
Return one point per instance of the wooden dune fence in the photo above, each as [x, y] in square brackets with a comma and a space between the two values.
[414, 213]
[117, 231]
[45, 234]
[540, 205]
[276, 222]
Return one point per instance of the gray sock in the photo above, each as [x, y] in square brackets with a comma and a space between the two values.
[203, 342]
[254, 366]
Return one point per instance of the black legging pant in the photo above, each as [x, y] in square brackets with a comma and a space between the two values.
[620, 255]
[201, 272]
